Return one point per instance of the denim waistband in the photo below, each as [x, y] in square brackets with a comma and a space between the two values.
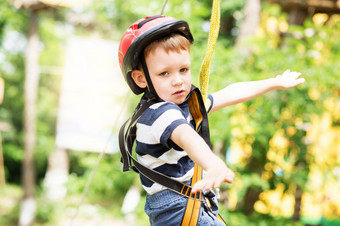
[163, 197]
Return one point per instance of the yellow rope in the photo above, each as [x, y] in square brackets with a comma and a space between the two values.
[213, 34]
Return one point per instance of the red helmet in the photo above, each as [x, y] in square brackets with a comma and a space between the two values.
[140, 35]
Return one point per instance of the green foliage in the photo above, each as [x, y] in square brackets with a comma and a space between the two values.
[239, 219]
[312, 49]
[9, 205]
[13, 31]
[46, 211]
[307, 49]
[11, 70]
[109, 181]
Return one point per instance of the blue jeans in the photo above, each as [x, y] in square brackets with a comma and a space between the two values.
[167, 208]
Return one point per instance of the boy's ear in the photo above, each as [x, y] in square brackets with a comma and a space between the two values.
[139, 78]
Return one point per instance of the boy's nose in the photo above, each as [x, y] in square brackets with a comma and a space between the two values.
[177, 80]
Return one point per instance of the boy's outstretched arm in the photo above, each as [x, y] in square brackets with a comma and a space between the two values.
[216, 170]
[244, 91]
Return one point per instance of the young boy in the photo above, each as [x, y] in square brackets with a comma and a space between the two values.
[154, 56]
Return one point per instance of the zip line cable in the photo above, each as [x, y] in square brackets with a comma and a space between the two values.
[164, 4]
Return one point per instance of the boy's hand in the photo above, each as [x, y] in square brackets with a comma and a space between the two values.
[217, 174]
[288, 80]
[198, 150]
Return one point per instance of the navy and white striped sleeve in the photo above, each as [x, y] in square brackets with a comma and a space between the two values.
[158, 122]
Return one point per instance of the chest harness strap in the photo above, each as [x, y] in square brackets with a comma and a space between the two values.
[127, 136]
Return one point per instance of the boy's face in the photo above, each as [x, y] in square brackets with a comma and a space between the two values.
[170, 74]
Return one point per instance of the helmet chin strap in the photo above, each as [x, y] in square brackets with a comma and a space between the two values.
[150, 92]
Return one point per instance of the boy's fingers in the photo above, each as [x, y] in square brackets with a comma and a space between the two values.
[291, 74]
[286, 72]
[295, 75]
[201, 185]
[230, 177]
[198, 186]
[215, 182]
[300, 81]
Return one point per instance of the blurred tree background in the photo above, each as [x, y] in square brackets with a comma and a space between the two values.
[284, 146]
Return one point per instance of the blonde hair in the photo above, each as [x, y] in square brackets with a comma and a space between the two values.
[173, 42]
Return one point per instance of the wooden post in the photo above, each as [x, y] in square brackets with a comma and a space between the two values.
[31, 89]
[28, 205]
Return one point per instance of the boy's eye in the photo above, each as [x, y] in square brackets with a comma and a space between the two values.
[163, 73]
[184, 70]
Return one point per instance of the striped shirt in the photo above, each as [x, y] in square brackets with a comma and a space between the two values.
[154, 148]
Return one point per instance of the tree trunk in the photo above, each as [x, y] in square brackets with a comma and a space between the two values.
[297, 16]
[252, 12]
[218, 148]
[250, 198]
[30, 92]
[297, 206]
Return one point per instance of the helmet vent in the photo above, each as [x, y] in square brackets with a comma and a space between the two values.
[140, 24]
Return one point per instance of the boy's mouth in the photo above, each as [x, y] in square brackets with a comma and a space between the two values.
[179, 92]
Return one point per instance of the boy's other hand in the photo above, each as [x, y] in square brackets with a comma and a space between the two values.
[214, 177]
[288, 79]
